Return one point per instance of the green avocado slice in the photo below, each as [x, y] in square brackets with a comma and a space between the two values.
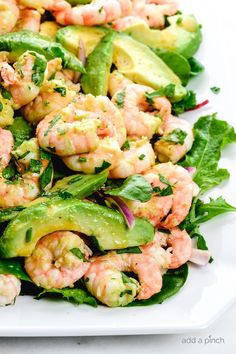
[18, 42]
[106, 225]
[95, 80]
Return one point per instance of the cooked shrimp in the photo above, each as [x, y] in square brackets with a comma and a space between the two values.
[25, 80]
[29, 20]
[126, 22]
[182, 186]
[168, 210]
[9, 14]
[106, 156]
[53, 96]
[181, 247]
[141, 118]
[98, 12]
[176, 140]
[58, 260]
[10, 287]
[106, 282]
[25, 188]
[155, 250]
[78, 128]
[117, 82]
[138, 158]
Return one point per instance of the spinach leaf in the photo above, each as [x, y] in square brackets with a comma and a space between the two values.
[46, 176]
[15, 267]
[75, 295]
[135, 187]
[135, 249]
[21, 131]
[196, 67]
[173, 281]
[211, 134]
[177, 62]
[187, 103]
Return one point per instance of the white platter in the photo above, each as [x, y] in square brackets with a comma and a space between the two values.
[208, 291]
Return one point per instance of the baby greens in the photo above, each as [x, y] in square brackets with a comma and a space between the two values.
[211, 135]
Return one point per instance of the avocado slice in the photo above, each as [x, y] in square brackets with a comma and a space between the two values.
[140, 64]
[183, 35]
[18, 42]
[106, 225]
[70, 36]
[95, 80]
[76, 186]
[132, 58]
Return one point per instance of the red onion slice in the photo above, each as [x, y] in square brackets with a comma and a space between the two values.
[123, 208]
[200, 257]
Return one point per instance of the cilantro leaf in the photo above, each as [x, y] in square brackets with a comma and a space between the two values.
[177, 136]
[135, 187]
[167, 91]
[75, 295]
[120, 99]
[211, 134]
[105, 165]
[61, 90]
[129, 250]
[35, 166]
[215, 90]
[77, 252]
[46, 176]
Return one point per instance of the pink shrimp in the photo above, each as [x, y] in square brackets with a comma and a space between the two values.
[9, 14]
[176, 139]
[29, 20]
[181, 247]
[53, 264]
[10, 287]
[106, 282]
[98, 12]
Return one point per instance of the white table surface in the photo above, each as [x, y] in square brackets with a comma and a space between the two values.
[220, 338]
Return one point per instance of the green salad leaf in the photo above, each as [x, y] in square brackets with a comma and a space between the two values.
[196, 67]
[177, 62]
[15, 267]
[135, 187]
[187, 103]
[211, 134]
[21, 131]
[173, 281]
[74, 295]
[215, 207]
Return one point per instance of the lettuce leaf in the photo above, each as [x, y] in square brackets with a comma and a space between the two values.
[75, 295]
[211, 135]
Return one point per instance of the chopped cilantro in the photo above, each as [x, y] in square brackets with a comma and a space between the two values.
[82, 159]
[1, 106]
[52, 123]
[61, 90]
[167, 91]
[64, 195]
[28, 235]
[120, 98]
[104, 166]
[77, 252]
[126, 145]
[187, 103]
[35, 166]
[215, 90]
[142, 157]
[129, 250]
[177, 136]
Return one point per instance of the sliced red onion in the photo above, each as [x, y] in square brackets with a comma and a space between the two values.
[191, 170]
[200, 105]
[123, 208]
[200, 257]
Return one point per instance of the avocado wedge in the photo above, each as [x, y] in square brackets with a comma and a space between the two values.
[132, 58]
[18, 42]
[183, 35]
[106, 225]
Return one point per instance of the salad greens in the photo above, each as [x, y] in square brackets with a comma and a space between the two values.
[15, 267]
[173, 281]
[211, 135]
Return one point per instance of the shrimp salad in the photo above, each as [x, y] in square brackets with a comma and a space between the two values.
[102, 176]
